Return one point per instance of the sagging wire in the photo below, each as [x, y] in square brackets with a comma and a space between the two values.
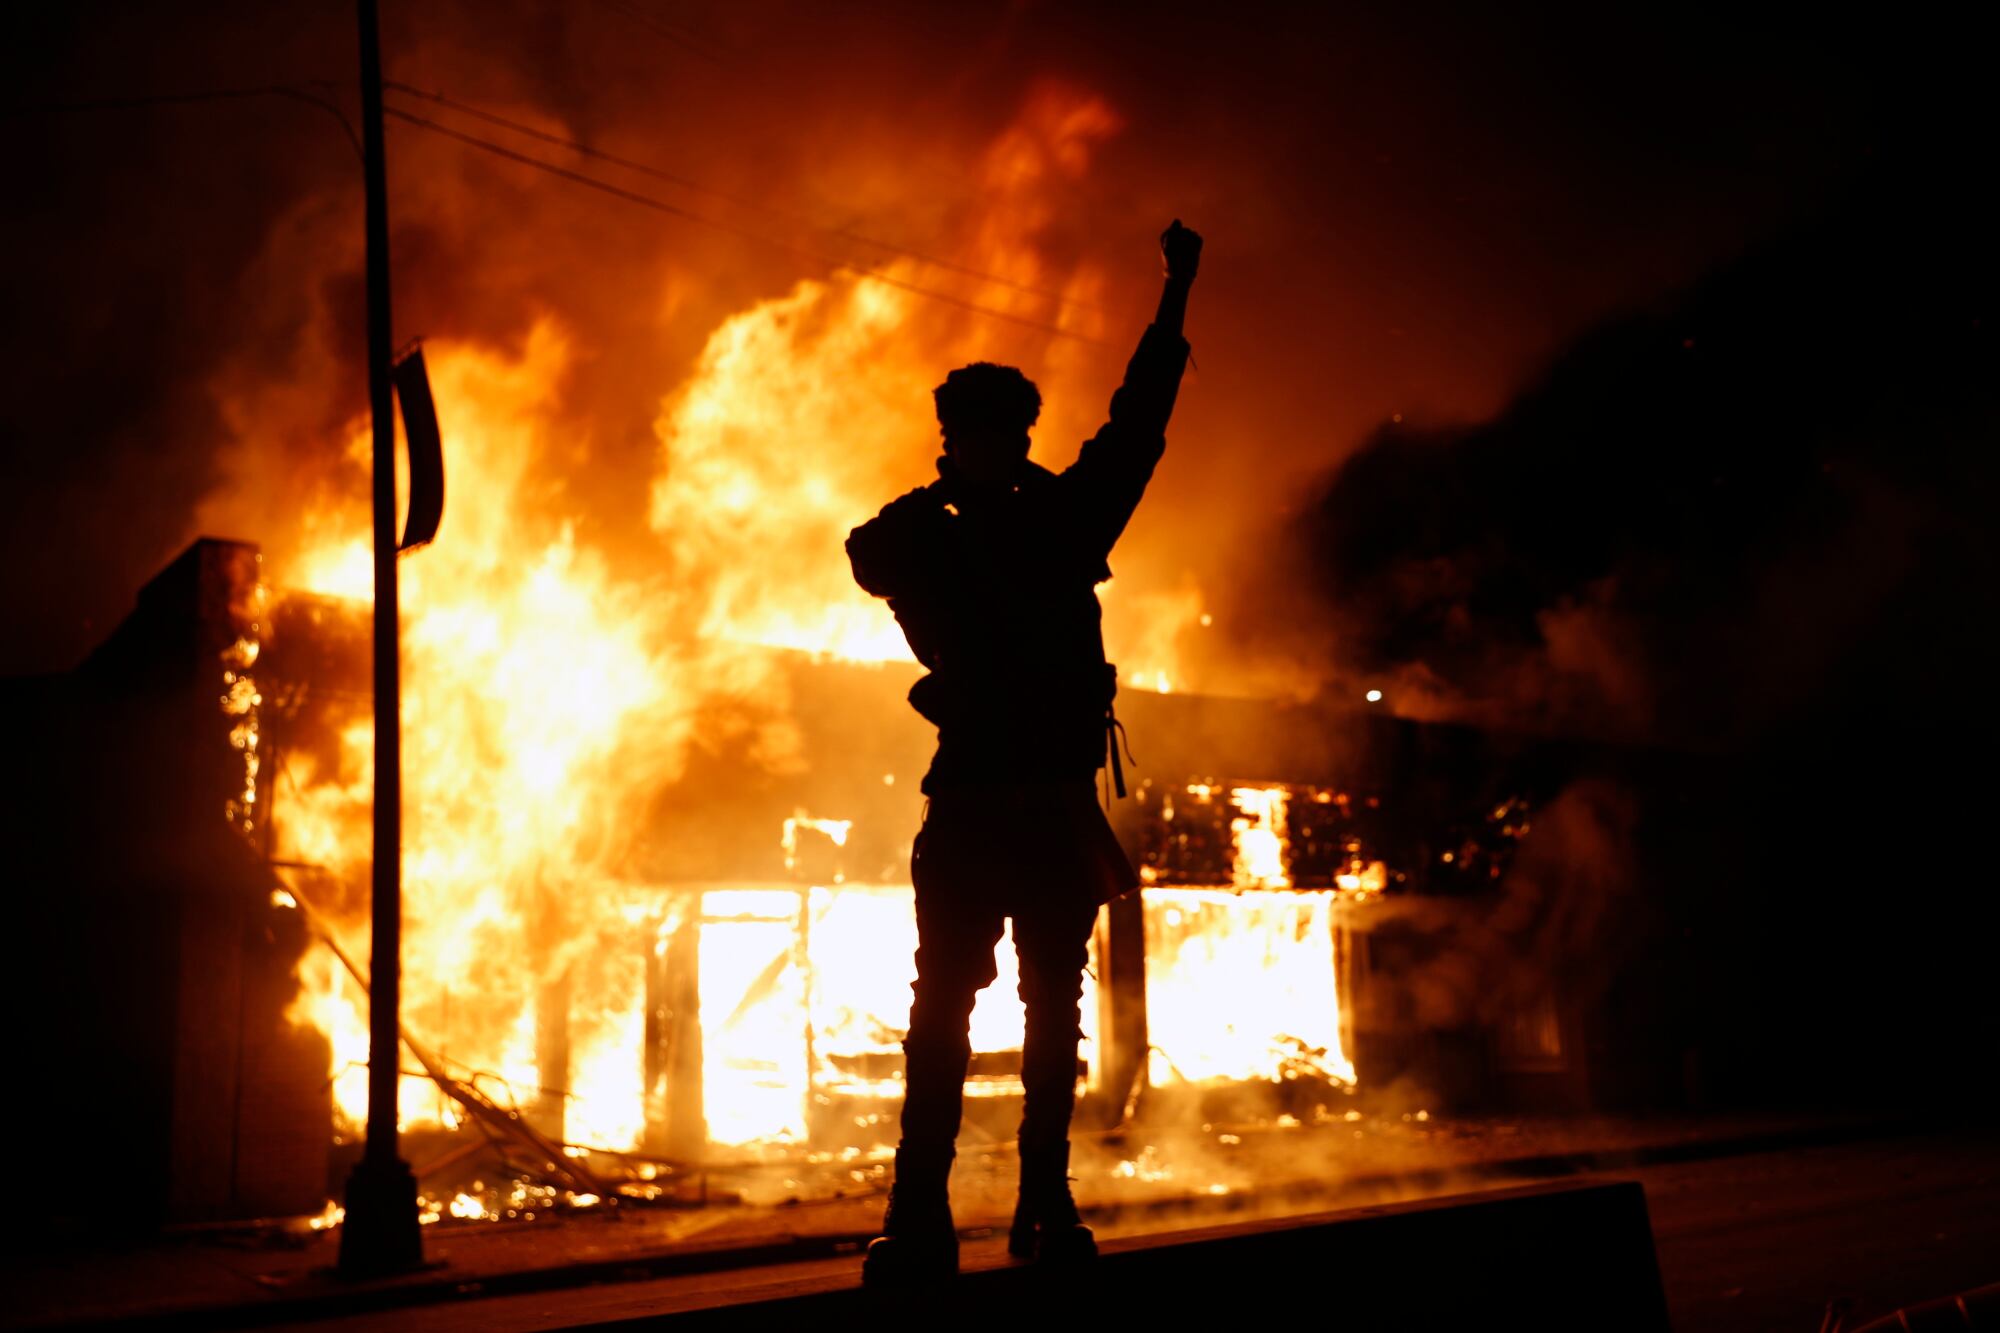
[674, 210]
[645, 169]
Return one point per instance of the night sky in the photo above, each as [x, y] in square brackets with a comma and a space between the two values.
[1410, 214]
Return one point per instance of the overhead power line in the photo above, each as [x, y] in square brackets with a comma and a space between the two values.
[204, 95]
[646, 169]
[580, 178]
[687, 215]
[673, 32]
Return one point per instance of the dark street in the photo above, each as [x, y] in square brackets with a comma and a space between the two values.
[1759, 1243]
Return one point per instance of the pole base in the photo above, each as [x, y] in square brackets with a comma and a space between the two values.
[380, 1236]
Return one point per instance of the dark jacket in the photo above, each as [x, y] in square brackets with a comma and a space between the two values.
[999, 600]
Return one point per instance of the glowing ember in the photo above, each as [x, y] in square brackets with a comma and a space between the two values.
[1259, 837]
[1363, 876]
[240, 701]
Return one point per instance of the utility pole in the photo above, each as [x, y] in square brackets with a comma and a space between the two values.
[380, 1234]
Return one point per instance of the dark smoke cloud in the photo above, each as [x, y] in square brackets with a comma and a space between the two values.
[1406, 211]
[1763, 501]
[1746, 531]
[1559, 922]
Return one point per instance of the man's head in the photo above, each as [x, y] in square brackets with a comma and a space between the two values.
[984, 412]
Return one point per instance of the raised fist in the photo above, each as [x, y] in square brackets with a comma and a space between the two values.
[1182, 250]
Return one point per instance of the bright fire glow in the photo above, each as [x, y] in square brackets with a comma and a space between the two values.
[542, 701]
[549, 694]
[757, 1003]
[1271, 954]
[1258, 834]
[1363, 876]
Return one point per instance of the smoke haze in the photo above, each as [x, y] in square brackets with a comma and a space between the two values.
[1406, 215]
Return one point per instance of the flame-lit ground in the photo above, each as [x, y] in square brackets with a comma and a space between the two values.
[1746, 1241]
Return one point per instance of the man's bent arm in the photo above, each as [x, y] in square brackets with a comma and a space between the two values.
[896, 553]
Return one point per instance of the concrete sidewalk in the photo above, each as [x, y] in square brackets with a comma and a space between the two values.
[1577, 1253]
[278, 1275]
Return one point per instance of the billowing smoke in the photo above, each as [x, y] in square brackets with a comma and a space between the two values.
[1394, 217]
[1559, 924]
[1744, 537]
[1754, 504]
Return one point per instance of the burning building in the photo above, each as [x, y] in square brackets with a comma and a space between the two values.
[733, 984]
[155, 969]
[660, 778]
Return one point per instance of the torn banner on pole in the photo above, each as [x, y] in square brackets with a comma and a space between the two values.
[426, 447]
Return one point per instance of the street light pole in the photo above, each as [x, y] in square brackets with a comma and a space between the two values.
[380, 1234]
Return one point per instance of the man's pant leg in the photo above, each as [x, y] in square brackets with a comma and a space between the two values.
[1053, 943]
[955, 943]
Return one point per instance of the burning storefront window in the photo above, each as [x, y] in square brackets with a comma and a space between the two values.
[1242, 985]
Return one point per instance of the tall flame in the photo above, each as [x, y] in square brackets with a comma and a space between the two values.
[543, 701]
[549, 694]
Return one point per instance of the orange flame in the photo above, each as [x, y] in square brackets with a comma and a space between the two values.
[548, 695]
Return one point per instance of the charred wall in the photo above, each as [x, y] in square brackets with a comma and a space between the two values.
[152, 971]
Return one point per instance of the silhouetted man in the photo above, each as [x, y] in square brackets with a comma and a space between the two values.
[992, 572]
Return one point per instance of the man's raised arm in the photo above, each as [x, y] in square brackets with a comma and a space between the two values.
[1118, 461]
[1181, 249]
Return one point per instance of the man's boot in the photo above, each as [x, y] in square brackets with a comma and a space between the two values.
[1046, 1226]
[918, 1242]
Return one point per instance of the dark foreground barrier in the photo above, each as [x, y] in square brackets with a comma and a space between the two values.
[1567, 1256]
